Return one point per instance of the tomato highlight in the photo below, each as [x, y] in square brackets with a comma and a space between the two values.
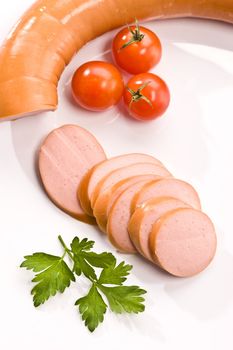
[97, 85]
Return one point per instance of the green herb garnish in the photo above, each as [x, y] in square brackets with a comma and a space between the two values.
[54, 274]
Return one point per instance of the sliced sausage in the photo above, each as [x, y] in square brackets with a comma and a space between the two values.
[126, 172]
[64, 158]
[106, 199]
[95, 175]
[144, 217]
[119, 216]
[168, 188]
[183, 242]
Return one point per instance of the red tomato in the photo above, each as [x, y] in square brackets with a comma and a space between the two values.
[97, 85]
[136, 50]
[146, 96]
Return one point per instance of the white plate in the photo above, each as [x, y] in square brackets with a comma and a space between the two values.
[194, 139]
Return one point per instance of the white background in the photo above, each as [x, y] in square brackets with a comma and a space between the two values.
[194, 139]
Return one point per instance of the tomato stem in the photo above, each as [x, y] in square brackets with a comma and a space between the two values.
[137, 36]
[137, 95]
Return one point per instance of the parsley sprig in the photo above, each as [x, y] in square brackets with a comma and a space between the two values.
[53, 274]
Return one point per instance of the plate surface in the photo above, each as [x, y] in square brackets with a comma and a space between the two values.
[194, 139]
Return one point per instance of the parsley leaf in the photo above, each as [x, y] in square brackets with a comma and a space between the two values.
[115, 274]
[84, 245]
[92, 308]
[100, 260]
[124, 298]
[38, 261]
[84, 259]
[81, 266]
[55, 276]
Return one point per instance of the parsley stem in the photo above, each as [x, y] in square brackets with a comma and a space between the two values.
[67, 250]
[100, 286]
[92, 279]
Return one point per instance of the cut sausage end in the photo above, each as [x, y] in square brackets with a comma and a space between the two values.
[143, 219]
[65, 157]
[183, 242]
[43, 109]
[20, 88]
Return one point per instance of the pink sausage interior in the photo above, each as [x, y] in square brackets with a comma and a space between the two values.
[169, 187]
[118, 220]
[128, 171]
[115, 163]
[65, 156]
[183, 242]
[126, 185]
[114, 193]
[152, 211]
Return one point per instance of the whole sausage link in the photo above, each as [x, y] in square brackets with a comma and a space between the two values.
[63, 27]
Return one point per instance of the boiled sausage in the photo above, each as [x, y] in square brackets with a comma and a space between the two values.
[183, 242]
[119, 216]
[97, 173]
[106, 199]
[168, 188]
[126, 172]
[64, 158]
[52, 31]
[143, 219]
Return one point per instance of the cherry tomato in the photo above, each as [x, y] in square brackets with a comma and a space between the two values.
[146, 96]
[97, 85]
[136, 49]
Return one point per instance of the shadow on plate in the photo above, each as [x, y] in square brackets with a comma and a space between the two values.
[142, 323]
[208, 295]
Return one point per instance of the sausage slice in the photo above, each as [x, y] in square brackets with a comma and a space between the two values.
[183, 242]
[106, 199]
[64, 158]
[97, 173]
[168, 188]
[126, 172]
[119, 216]
[143, 219]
